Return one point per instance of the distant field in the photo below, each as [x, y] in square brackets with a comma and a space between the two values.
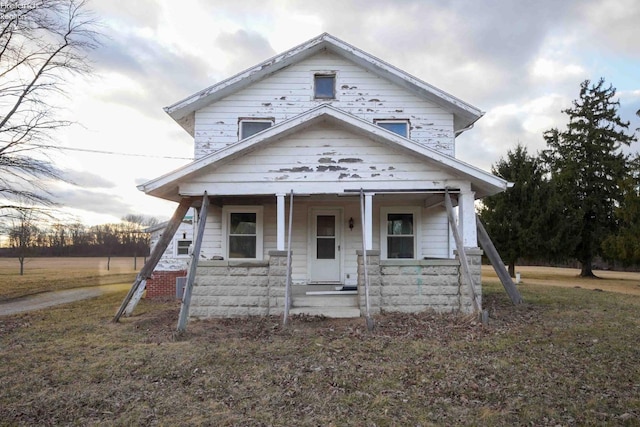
[48, 274]
[612, 281]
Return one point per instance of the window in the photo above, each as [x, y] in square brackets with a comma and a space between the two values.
[399, 232]
[182, 247]
[324, 86]
[251, 127]
[243, 232]
[401, 127]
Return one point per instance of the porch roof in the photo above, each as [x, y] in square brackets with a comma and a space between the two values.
[168, 186]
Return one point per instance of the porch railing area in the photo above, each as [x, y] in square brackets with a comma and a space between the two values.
[410, 285]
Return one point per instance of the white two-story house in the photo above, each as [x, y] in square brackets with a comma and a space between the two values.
[359, 154]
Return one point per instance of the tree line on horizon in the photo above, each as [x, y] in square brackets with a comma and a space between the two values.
[29, 236]
[579, 198]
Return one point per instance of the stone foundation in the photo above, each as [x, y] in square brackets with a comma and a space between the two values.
[239, 288]
[404, 285]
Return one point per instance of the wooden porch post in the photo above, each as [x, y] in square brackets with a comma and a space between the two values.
[156, 253]
[467, 219]
[287, 285]
[368, 220]
[193, 265]
[464, 264]
[280, 222]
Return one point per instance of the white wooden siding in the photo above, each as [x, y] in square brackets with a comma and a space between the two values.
[290, 92]
[324, 156]
[434, 237]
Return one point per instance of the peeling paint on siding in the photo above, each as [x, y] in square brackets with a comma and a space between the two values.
[330, 168]
[294, 170]
[350, 160]
[326, 160]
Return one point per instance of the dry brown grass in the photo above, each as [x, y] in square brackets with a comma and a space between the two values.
[612, 281]
[566, 357]
[50, 274]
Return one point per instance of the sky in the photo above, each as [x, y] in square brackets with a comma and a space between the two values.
[521, 62]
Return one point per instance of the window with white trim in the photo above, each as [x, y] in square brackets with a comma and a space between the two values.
[182, 247]
[324, 86]
[242, 232]
[249, 127]
[399, 232]
[401, 127]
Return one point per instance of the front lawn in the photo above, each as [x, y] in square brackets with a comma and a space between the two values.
[567, 356]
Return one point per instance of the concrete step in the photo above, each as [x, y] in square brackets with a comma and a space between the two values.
[348, 300]
[333, 312]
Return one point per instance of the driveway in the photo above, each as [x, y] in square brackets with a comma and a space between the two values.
[49, 299]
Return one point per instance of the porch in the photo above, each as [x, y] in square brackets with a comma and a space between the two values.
[257, 288]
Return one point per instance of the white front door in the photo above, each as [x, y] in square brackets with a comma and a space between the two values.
[325, 253]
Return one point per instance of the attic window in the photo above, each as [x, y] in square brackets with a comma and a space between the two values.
[249, 127]
[324, 86]
[401, 127]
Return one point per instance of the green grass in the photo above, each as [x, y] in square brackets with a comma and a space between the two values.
[50, 274]
[565, 357]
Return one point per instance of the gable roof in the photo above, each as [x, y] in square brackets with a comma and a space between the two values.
[167, 186]
[183, 111]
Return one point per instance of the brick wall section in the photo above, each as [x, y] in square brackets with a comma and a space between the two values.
[403, 285]
[239, 288]
[162, 284]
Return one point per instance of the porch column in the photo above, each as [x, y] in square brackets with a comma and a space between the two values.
[467, 219]
[368, 219]
[280, 229]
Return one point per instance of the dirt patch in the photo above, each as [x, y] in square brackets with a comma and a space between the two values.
[159, 326]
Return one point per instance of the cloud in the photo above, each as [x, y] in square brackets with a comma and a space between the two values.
[151, 75]
[243, 49]
[613, 25]
[86, 179]
[93, 201]
[143, 13]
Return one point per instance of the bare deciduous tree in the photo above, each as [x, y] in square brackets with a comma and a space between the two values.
[42, 44]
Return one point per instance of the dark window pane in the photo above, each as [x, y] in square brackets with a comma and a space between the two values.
[399, 224]
[251, 128]
[183, 247]
[243, 223]
[395, 127]
[325, 86]
[242, 247]
[326, 248]
[326, 225]
[399, 247]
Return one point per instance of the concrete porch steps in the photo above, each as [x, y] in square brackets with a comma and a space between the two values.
[341, 305]
[333, 312]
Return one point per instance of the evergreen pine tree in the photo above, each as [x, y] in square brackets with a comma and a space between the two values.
[587, 165]
[516, 218]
